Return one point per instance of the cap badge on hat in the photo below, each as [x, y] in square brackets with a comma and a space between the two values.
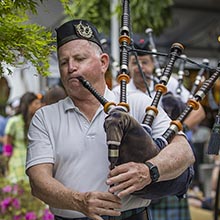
[84, 30]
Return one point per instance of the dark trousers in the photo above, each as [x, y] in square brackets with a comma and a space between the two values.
[134, 214]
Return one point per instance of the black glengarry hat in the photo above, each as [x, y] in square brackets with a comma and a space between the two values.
[77, 29]
[141, 44]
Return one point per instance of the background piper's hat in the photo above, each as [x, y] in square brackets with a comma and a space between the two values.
[141, 43]
[77, 29]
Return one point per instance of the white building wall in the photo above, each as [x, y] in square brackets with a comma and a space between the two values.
[22, 80]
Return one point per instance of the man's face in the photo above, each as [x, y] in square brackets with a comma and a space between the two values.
[80, 58]
[147, 66]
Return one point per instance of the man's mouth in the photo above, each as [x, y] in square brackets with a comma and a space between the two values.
[73, 78]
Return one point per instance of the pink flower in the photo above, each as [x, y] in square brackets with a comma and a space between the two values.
[18, 190]
[30, 216]
[7, 189]
[17, 217]
[16, 203]
[5, 204]
[7, 150]
[47, 215]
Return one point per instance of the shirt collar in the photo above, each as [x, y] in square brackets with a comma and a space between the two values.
[133, 87]
[69, 104]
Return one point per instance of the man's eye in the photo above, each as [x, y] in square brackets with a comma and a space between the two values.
[80, 58]
[63, 63]
[144, 62]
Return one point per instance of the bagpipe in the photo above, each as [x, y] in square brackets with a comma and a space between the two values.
[181, 74]
[129, 140]
[198, 79]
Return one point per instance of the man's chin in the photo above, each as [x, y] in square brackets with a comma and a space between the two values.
[73, 80]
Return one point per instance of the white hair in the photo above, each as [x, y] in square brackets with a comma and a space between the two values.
[97, 48]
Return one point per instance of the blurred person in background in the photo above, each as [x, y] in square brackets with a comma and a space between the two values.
[9, 111]
[137, 83]
[207, 202]
[54, 94]
[3, 121]
[4, 95]
[15, 140]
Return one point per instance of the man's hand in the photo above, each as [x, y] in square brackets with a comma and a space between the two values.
[128, 178]
[96, 204]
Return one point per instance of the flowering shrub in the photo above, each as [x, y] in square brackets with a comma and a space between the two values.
[17, 203]
[7, 150]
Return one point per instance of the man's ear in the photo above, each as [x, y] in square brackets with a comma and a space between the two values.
[105, 61]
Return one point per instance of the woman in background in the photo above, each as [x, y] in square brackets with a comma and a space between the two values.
[16, 136]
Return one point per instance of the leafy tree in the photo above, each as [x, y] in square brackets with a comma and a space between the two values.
[144, 13]
[21, 41]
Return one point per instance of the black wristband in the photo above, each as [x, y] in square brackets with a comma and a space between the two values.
[154, 173]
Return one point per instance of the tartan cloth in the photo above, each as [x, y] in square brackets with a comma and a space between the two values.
[170, 208]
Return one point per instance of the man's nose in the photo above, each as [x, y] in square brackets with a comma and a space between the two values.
[72, 66]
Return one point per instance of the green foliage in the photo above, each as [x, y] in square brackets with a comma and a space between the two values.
[16, 202]
[150, 14]
[21, 42]
[7, 5]
[144, 13]
[96, 11]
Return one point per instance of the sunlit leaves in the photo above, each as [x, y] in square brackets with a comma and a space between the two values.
[20, 41]
[144, 13]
